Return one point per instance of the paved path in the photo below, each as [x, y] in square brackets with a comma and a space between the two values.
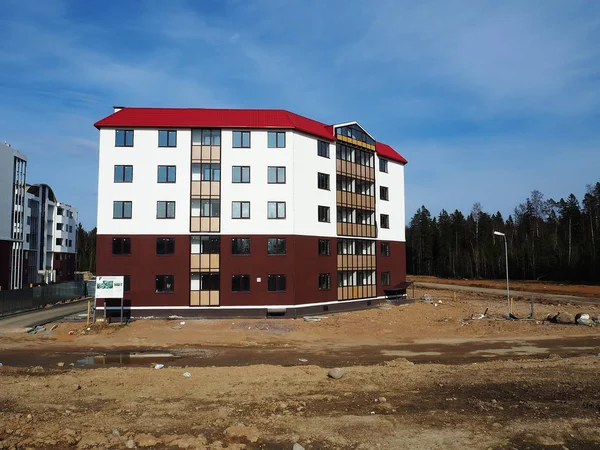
[523, 294]
[42, 316]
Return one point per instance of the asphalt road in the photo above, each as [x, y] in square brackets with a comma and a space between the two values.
[522, 294]
[42, 316]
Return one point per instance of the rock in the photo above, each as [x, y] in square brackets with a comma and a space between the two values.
[336, 373]
[116, 433]
[398, 362]
[297, 447]
[249, 433]
[146, 440]
[60, 364]
[77, 387]
[93, 439]
[496, 425]
[565, 318]
[551, 317]
[130, 443]
[382, 399]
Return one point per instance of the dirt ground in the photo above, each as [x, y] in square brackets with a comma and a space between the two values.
[544, 287]
[460, 385]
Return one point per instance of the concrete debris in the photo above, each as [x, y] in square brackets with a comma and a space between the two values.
[565, 318]
[584, 319]
[427, 298]
[336, 373]
[60, 364]
[159, 366]
[187, 375]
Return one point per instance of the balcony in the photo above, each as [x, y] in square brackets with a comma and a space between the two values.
[356, 230]
[353, 200]
[351, 169]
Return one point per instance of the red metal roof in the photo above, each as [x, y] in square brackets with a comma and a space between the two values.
[227, 118]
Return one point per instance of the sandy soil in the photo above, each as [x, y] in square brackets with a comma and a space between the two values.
[582, 290]
[390, 403]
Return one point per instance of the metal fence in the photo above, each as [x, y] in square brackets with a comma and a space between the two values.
[30, 298]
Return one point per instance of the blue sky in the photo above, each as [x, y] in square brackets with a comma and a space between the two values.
[487, 100]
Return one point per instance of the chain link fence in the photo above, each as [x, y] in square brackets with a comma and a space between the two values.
[36, 297]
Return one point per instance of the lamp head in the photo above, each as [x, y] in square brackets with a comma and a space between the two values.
[497, 233]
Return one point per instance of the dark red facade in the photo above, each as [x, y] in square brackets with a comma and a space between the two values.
[64, 265]
[301, 264]
[5, 247]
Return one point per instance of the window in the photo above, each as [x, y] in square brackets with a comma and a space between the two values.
[205, 208]
[275, 175]
[123, 174]
[209, 281]
[124, 138]
[240, 174]
[240, 283]
[165, 210]
[121, 210]
[385, 278]
[28, 220]
[206, 137]
[276, 210]
[276, 283]
[323, 180]
[276, 246]
[324, 281]
[59, 241]
[241, 139]
[164, 283]
[206, 172]
[240, 246]
[385, 221]
[70, 228]
[385, 249]
[167, 138]
[240, 210]
[167, 174]
[384, 193]
[383, 165]
[324, 247]
[27, 238]
[207, 245]
[59, 211]
[344, 152]
[324, 215]
[323, 149]
[121, 246]
[276, 139]
[126, 283]
[59, 226]
[70, 243]
[165, 246]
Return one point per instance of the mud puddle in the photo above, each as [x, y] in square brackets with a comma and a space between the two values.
[440, 352]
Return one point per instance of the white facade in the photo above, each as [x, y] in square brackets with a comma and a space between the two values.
[144, 192]
[394, 207]
[300, 191]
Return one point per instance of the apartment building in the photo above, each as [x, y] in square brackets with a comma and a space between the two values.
[13, 171]
[38, 235]
[50, 237]
[217, 212]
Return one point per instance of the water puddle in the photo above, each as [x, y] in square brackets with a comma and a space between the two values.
[126, 359]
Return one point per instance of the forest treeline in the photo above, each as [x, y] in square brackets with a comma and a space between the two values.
[547, 240]
[86, 250]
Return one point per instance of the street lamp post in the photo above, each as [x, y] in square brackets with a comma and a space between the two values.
[497, 233]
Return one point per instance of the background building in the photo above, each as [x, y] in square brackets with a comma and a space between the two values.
[240, 209]
[50, 237]
[13, 172]
[38, 234]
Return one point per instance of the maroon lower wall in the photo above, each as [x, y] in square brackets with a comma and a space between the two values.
[301, 264]
[5, 247]
[395, 264]
[143, 265]
[64, 264]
